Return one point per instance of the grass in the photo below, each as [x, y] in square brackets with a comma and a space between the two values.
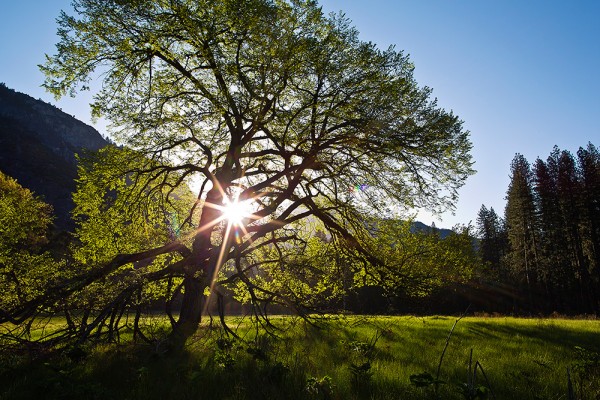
[343, 358]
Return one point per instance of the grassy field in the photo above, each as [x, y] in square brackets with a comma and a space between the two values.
[340, 358]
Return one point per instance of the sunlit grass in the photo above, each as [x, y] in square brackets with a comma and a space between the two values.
[523, 359]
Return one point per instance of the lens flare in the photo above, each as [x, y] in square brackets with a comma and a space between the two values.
[235, 212]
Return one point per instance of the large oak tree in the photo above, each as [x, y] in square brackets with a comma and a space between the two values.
[270, 103]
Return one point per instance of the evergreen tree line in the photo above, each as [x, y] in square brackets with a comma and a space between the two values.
[544, 254]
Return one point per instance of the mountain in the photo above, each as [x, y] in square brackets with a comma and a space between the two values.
[418, 226]
[38, 143]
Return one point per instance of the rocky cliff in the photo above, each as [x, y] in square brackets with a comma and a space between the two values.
[38, 143]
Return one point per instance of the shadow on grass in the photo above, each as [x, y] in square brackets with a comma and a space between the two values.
[546, 331]
[306, 357]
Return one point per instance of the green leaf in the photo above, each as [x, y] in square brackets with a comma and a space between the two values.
[424, 379]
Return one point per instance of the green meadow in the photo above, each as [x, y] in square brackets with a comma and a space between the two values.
[337, 357]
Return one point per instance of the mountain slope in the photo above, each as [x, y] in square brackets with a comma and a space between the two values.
[38, 143]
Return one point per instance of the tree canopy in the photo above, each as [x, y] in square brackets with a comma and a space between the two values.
[267, 103]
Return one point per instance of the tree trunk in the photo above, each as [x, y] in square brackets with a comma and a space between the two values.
[190, 314]
[204, 264]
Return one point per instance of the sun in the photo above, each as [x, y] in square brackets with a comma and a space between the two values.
[235, 212]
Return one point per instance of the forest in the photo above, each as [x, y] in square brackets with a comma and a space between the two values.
[546, 245]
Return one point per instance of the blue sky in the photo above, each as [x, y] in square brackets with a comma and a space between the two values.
[523, 75]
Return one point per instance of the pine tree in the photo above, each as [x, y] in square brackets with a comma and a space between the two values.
[569, 190]
[492, 240]
[521, 222]
[589, 176]
[556, 274]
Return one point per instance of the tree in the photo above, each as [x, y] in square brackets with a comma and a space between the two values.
[415, 263]
[522, 226]
[569, 198]
[24, 265]
[267, 103]
[589, 172]
[556, 273]
[492, 240]
[109, 224]
[418, 263]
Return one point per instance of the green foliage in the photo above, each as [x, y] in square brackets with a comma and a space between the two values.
[225, 354]
[588, 363]
[586, 369]
[491, 232]
[25, 268]
[424, 379]
[361, 375]
[473, 392]
[119, 211]
[308, 271]
[320, 388]
[416, 263]
[361, 357]
[317, 272]
[225, 360]
[521, 221]
[472, 389]
[24, 217]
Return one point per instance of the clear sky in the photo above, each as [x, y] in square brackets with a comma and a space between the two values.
[522, 75]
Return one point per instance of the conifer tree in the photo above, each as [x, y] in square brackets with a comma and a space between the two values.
[492, 240]
[521, 222]
[555, 272]
[589, 172]
[569, 197]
